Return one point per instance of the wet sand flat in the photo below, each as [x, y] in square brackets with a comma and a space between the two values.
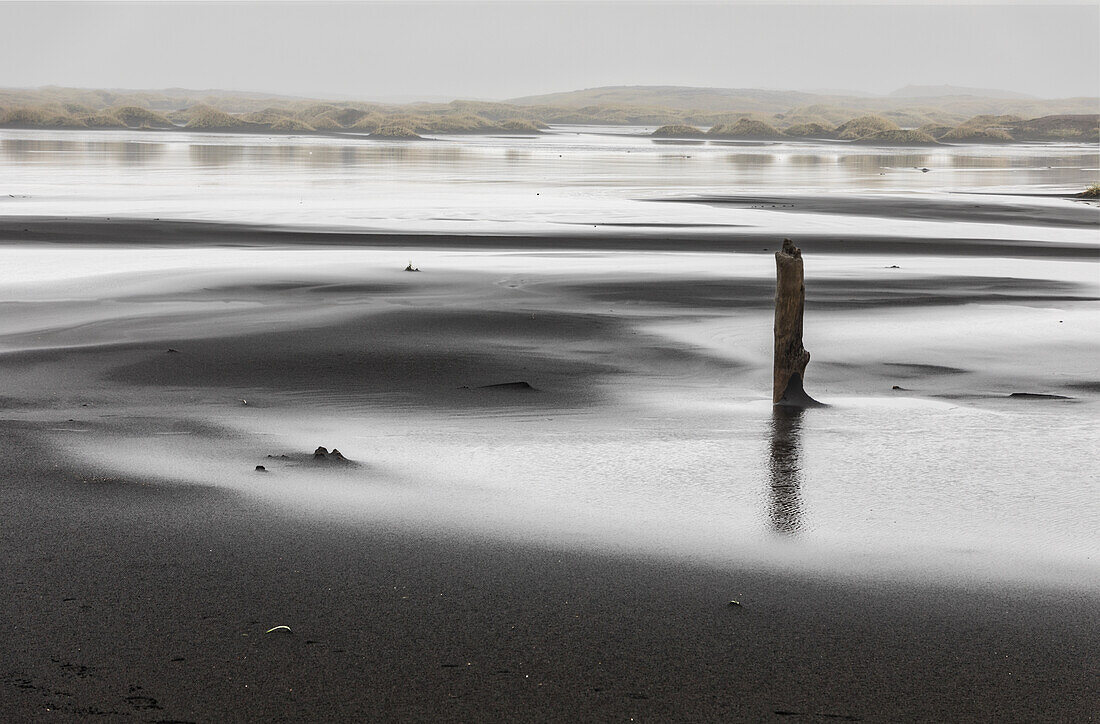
[966, 208]
[153, 233]
[136, 601]
[567, 550]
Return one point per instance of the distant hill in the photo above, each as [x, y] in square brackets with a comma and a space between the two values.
[912, 105]
[677, 97]
[720, 113]
[942, 91]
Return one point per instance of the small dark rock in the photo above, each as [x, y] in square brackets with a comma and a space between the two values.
[410, 268]
[897, 387]
[323, 456]
[261, 469]
[925, 170]
[172, 351]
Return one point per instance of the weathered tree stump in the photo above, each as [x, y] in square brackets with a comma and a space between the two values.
[791, 357]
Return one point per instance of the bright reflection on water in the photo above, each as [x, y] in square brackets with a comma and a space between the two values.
[556, 181]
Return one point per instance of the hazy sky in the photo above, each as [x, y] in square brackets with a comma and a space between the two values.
[502, 50]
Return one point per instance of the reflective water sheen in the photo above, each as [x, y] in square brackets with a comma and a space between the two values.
[921, 464]
[557, 181]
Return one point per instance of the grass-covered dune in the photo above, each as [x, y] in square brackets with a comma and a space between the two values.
[291, 125]
[969, 134]
[677, 130]
[898, 137]
[736, 115]
[1077, 127]
[810, 130]
[745, 128]
[396, 132]
[213, 119]
[38, 118]
[864, 126]
[138, 117]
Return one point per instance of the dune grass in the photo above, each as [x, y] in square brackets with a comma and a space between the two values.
[369, 123]
[863, 126]
[763, 117]
[211, 119]
[966, 134]
[810, 130]
[898, 137]
[395, 132]
[322, 123]
[38, 118]
[291, 125]
[101, 120]
[267, 115]
[520, 125]
[746, 128]
[135, 117]
[677, 130]
[935, 130]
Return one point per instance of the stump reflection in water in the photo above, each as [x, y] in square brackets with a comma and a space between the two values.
[785, 467]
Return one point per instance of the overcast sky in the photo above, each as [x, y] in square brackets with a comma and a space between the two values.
[488, 50]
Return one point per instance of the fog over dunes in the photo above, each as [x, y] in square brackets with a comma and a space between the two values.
[421, 51]
[979, 119]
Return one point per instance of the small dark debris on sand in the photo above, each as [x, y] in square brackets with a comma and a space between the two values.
[322, 455]
[411, 268]
[1038, 396]
[899, 387]
[261, 469]
[172, 351]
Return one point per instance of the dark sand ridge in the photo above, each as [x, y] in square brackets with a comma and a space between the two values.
[418, 357]
[133, 601]
[558, 335]
[1071, 214]
[413, 349]
[144, 232]
[833, 293]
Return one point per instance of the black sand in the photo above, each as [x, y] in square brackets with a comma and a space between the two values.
[969, 210]
[128, 599]
[144, 232]
[135, 602]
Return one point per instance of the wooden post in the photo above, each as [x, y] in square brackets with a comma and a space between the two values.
[791, 357]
